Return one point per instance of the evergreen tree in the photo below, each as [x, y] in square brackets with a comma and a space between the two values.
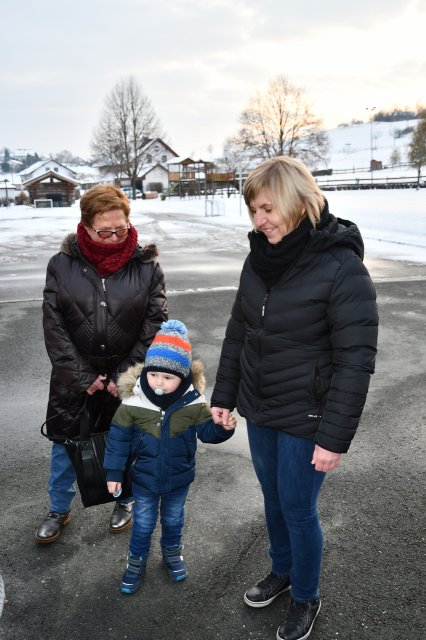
[417, 148]
[5, 166]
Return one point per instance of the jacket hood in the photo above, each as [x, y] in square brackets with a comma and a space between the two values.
[69, 245]
[127, 380]
[332, 231]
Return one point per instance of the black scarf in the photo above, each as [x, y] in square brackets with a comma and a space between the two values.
[168, 398]
[270, 261]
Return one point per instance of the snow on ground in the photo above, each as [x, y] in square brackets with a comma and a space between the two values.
[393, 223]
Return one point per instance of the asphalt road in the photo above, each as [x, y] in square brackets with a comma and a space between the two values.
[371, 507]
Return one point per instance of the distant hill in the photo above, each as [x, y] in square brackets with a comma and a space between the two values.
[352, 148]
[351, 145]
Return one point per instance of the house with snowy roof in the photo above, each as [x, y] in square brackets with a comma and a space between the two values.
[49, 180]
[154, 174]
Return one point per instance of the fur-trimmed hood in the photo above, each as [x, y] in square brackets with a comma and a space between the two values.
[147, 253]
[130, 379]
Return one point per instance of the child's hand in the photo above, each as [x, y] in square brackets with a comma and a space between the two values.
[231, 423]
[114, 487]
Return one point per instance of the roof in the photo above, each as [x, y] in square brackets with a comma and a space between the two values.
[181, 160]
[40, 163]
[150, 141]
[148, 168]
[50, 174]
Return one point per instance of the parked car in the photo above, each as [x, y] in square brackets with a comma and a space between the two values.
[129, 192]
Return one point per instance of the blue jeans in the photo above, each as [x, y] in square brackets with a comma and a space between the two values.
[145, 513]
[290, 488]
[62, 480]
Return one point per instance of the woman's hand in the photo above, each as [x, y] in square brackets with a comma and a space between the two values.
[114, 487]
[112, 388]
[220, 416]
[97, 385]
[325, 460]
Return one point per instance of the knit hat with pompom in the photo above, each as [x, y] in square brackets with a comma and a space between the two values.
[170, 351]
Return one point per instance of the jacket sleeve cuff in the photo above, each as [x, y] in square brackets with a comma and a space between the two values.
[114, 475]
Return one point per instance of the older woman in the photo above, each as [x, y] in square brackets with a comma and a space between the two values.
[104, 301]
[296, 361]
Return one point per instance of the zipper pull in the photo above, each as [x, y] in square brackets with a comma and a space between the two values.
[103, 284]
[264, 305]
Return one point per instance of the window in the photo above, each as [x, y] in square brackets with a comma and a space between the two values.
[164, 158]
[148, 157]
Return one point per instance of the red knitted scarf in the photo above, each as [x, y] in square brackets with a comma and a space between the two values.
[107, 258]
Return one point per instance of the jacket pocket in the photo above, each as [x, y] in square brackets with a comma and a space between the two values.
[317, 393]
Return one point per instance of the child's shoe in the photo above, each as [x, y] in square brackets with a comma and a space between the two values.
[174, 562]
[131, 581]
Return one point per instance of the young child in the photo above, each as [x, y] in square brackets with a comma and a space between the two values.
[162, 413]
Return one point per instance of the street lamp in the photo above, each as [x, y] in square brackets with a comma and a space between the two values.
[371, 140]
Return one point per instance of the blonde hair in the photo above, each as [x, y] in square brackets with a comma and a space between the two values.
[103, 198]
[290, 186]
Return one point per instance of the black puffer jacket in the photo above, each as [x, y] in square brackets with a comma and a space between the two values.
[303, 364]
[95, 325]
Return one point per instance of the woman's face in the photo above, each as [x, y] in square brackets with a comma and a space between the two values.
[113, 220]
[267, 219]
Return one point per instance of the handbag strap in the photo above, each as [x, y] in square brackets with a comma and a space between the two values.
[85, 421]
[63, 439]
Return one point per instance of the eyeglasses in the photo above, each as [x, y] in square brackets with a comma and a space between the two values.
[107, 233]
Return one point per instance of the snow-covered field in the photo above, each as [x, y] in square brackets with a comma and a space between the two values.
[393, 223]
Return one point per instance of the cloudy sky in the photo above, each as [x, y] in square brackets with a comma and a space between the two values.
[200, 63]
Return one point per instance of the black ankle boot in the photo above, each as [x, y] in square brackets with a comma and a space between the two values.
[299, 621]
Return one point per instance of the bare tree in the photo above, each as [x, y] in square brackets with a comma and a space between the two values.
[127, 123]
[417, 147]
[279, 122]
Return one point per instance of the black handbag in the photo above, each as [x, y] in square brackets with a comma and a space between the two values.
[86, 452]
[87, 456]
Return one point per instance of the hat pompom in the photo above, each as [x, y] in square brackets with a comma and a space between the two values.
[175, 325]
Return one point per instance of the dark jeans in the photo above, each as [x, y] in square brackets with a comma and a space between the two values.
[145, 513]
[290, 488]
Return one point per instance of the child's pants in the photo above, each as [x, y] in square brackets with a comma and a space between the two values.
[145, 512]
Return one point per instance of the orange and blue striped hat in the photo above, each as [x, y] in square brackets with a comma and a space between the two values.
[170, 351]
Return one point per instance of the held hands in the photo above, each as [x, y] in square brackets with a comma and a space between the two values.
[230, 424]
[224, 417]
[325, 460]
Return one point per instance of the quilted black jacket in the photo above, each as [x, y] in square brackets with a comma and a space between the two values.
[299, 358]
[95, 325]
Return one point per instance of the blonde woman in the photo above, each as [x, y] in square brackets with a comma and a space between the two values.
[296, 362]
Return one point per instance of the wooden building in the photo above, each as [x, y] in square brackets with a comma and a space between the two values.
[50, 180]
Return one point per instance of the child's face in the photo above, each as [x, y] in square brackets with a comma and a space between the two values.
[162, 382]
